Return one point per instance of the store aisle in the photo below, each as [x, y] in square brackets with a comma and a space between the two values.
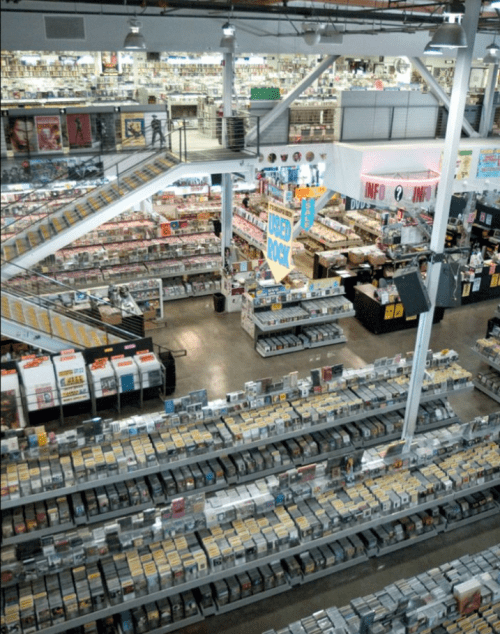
[220, 354]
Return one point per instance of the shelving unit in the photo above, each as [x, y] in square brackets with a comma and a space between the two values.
[267, 313]
[487, 349]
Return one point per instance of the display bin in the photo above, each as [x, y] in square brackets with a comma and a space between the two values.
[219, 302]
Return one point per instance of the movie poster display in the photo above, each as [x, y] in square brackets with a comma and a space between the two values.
[103, 130]
[48, 133]
[21, 135]
[79, 131]
[133, 129]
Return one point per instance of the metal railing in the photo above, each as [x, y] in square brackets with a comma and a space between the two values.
[39, 290]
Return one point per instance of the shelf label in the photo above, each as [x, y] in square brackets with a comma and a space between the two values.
[494, 280]
[398, 311]
[279, 241]
[389, 311]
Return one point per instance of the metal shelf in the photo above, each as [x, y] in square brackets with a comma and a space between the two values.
[483, 388]
[329, 342]
[319, 574]
[310, 321]
[297, 299]
[104, 517]
[26, 537]
[275, 353]
[173, 627]
[251, 241]
[406, 542]
[493, 364]
[473, 518]
[82, 486]
[235, 605]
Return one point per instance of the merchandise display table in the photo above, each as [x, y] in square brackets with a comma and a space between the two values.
[381, 318]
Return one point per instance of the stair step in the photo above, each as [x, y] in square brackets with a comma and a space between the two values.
[71, 217]
[58, 224]
[33, 239]
[5, 307]
[9, 252]
[22, 246]
[45, 232]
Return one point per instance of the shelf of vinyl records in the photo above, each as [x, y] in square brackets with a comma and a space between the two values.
[163, 486]
[366, 221]
[283, 320]
[465, 592]
[488, 349]
[326, 234]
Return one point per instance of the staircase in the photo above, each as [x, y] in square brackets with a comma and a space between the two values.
[44, 324]
[52, 232]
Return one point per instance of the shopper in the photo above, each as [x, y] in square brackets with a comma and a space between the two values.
[156, 127]
[245, 202]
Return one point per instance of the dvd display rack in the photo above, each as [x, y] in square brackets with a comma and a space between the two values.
[488, 349]
[458, 596]
[282, 320]
[76, 462]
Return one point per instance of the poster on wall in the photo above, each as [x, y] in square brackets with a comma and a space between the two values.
[103, 130]
[84, 168]
[156, 128]
[109, 61]
[133, 129]
[15, 172]
[464, 161]
[21, 135]
[48, 133]
[79, 131]
[489, 164]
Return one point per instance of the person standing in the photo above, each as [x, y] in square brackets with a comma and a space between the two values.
[157, 131]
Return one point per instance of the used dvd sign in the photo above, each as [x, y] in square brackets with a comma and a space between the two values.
[279, 241]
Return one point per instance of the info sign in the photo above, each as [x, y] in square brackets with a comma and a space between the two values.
[279, 241]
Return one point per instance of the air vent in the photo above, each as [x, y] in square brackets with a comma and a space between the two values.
[64, 28]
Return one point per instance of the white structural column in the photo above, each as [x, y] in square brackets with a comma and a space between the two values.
[227, 179]
[439, 93]
[441, 214]
[281, 106]
[489, 94]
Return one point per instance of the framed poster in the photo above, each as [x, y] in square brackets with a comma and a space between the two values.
[20, 135]
[103, 130]
[133, 129]
[79, 131]
[48, 133]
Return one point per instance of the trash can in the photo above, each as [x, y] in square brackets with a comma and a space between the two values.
[168, 360]
[219, 302]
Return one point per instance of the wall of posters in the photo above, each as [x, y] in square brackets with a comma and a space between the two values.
[44, 171]
[21, 135]
[133, 129]
[79, 131]
[103, 130]
[488, 165]
[48, 133]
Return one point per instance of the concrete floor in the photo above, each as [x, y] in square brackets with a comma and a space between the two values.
[220, 357]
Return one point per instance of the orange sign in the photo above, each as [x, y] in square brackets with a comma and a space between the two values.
[165, 229]
[309, 192]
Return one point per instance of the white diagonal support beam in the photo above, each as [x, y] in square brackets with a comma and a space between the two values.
[489, 95]
[441, 214]
[439, 93]
[280, 107]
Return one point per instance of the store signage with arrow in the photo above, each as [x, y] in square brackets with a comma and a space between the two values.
[279, 241]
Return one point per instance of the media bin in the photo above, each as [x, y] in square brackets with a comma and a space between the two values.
[219, 302]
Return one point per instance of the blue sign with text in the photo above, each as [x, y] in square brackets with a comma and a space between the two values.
[307, 213]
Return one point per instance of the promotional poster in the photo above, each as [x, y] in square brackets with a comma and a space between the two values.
[48, 133]
[79, 131]
[21, 135]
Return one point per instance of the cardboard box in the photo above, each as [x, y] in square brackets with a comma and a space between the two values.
[110, 315]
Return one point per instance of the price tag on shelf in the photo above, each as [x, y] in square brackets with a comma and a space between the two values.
[398, 311]
[494, 280]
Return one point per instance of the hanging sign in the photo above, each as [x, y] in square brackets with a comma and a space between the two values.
[489, 164]
[307, 213]
[279, 241]
[388, 189]
[309, 192]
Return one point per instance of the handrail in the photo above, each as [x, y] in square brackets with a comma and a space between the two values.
[51, 305]
[86, 162]
[66, 288]
[59, 210]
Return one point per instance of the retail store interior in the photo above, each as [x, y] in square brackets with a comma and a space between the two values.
[250, 323]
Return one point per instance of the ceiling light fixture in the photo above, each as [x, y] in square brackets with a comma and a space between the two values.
[228, 40]
[492, 56]
[451, 33]
[312, 37]
[432, 50]
[134, 40]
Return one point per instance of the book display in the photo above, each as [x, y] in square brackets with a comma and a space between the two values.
[459, 596]
[139, 510]
[303, 316]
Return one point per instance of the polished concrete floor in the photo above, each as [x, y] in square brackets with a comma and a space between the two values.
[220, 356]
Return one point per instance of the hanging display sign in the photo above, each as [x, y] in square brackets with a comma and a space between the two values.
[464, 161]
[415, 188]
[351, 204]
[307, 213]
[489, 164]
[279, 241]
[275, 191]
[309, 192]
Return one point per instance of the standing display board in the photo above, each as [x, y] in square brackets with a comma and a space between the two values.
[39, 382]
[279, 240]
[12, 416]
[71, 377]
[103, 378]
[149, 369]
[127, 374]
